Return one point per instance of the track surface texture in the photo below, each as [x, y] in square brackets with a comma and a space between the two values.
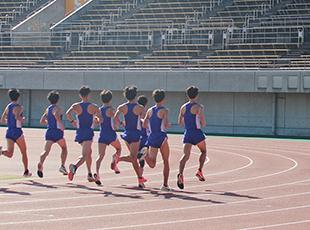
[251, 184]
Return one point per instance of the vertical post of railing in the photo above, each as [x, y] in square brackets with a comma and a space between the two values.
[21, 9]
[27, 5]
[14, 14]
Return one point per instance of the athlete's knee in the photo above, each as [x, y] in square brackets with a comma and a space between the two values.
[23, 152]
[185, 157]
[44, 154]
[118, 151]
[64, 149]
[9, 154]
[133, 158]
[100, 157]
[203, 152]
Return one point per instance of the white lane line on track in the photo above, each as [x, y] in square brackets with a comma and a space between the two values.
[277, 225]
[176, 148]
[206, 218]
[70, 198]
[150, 174]
[267, 186]
[194, 186]
[164, 210]
[246, 147]
[44, 200]
[140, 201]
[250, 162]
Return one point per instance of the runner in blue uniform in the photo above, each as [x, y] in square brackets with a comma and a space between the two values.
[143, 148]
[156, 120]
[108, 135]
[132, 113]
[84, 112]
[192, 117]
[52, 117]
[13, 118]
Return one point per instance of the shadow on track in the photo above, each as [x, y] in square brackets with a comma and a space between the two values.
[36, 184]
[8, 191]
[172, 195]
[98, 191]
[232, 194]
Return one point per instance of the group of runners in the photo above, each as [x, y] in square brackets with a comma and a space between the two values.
[145, 132]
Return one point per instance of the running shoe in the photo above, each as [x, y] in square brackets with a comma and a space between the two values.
[165, 188]
[143, 179]
[115, 160]
[63, 170]
[180, 181]
[27, 173]
[90, 177]
[40, 171]
[200, 176]
[40, 174]
[72, 171]
[97, 179]
[141, 157]
[141, 182]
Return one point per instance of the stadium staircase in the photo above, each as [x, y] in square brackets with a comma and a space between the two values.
[13, 11]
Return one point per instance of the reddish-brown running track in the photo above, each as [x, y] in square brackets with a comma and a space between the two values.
[251, 184]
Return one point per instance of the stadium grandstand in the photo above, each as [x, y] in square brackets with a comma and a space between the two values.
[160, 34]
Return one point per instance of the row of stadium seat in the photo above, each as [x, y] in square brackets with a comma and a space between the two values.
[174, 34]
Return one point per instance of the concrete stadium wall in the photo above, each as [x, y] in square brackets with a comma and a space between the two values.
[236, 102]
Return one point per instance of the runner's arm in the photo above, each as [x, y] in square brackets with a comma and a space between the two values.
[116, 119]
[18, 112]
[181, 117]
[202, 116]
[145, 121]
[4, 116]
[57, 114]
[70, 117]
[43, 119]
[167, 124]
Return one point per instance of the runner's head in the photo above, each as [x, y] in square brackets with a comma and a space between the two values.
[53, 97]
[192, 92]
[84, 92]
[106, 96]
[14, 94]
[159, 95]
[142, 100]
[130, 93]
